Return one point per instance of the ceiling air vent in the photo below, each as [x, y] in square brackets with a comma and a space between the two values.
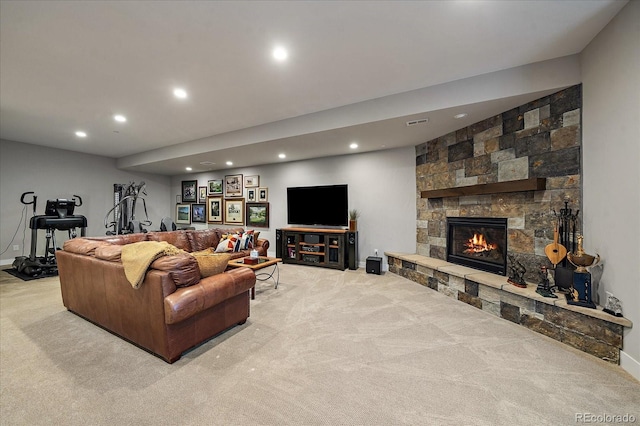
[415, 122]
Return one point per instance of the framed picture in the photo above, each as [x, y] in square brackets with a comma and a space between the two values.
[214, 187]
[189, 191]
[263, 194]
[233, 186]
[178, 199]
[214, 209]
[198, 213]
[258, 215]
[252, 195]
[183, 214]
[234, 211]
[202, 194]
[252, 181]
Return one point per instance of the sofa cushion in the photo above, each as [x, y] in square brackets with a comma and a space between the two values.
[110, 252]
[122, 239]
[176, 238]
[83, 246]
[201, 240]
[183, 268]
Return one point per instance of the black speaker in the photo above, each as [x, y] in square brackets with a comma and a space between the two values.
[374, 265]
[352, 249]
[312, 238]
[279, 243]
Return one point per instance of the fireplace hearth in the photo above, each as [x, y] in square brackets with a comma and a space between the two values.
[479, 243]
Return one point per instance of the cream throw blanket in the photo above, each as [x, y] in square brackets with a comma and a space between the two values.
[137, 257]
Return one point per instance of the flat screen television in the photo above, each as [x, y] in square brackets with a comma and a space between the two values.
[318, 205]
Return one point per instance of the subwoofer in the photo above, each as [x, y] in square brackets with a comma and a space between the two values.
[352, 249]
[374, 265]
[279, 243]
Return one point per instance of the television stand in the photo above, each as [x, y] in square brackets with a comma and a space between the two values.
[323, 247]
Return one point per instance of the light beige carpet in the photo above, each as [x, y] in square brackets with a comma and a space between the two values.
[327, 347]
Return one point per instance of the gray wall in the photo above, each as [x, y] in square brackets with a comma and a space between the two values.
[611, 176]
[54, 173]
[381, 187]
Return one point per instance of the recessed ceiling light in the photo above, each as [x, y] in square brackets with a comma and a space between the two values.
[282, 156]
[81, 134]
[280, 54]
[229, 163]
[180, 93]
[188, 169]
[120, 118]
[353, 145]
[461, 115]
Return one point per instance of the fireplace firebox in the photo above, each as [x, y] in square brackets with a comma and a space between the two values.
[478, 242]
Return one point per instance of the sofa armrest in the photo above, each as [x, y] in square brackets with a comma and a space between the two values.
[210, 291]
[262, 245]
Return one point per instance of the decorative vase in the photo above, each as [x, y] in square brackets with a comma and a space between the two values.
[353, 225]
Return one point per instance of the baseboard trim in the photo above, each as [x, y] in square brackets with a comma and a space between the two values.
[630, 365]
[6, 262]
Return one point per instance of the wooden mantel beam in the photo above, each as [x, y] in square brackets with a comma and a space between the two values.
[533, 184]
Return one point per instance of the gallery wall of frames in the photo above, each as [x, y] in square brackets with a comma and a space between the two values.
[235, 200]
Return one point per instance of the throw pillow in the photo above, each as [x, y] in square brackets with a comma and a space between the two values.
[229, 244]
[243, 240]
[246, 240]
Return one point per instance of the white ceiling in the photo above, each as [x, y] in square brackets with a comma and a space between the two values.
[70, 65]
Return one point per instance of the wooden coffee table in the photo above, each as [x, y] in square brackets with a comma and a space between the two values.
[263, 262]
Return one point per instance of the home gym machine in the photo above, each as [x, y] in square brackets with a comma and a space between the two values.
[125, 198]
[58, 216]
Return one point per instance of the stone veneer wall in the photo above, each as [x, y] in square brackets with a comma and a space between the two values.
[539, 139]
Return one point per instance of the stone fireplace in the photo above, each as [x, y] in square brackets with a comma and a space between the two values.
[536, 142]
[518, 167]
[479, 243]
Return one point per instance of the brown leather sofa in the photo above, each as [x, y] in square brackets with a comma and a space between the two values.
[174, 309]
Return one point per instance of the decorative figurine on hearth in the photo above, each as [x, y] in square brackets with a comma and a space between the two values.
[544, 287]
[613, 306]
[581, 289]
[516, 272]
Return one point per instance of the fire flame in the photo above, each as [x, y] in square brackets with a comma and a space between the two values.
[478, 244]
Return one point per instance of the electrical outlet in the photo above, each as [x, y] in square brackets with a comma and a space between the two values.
[16, 247]
[376, 251]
